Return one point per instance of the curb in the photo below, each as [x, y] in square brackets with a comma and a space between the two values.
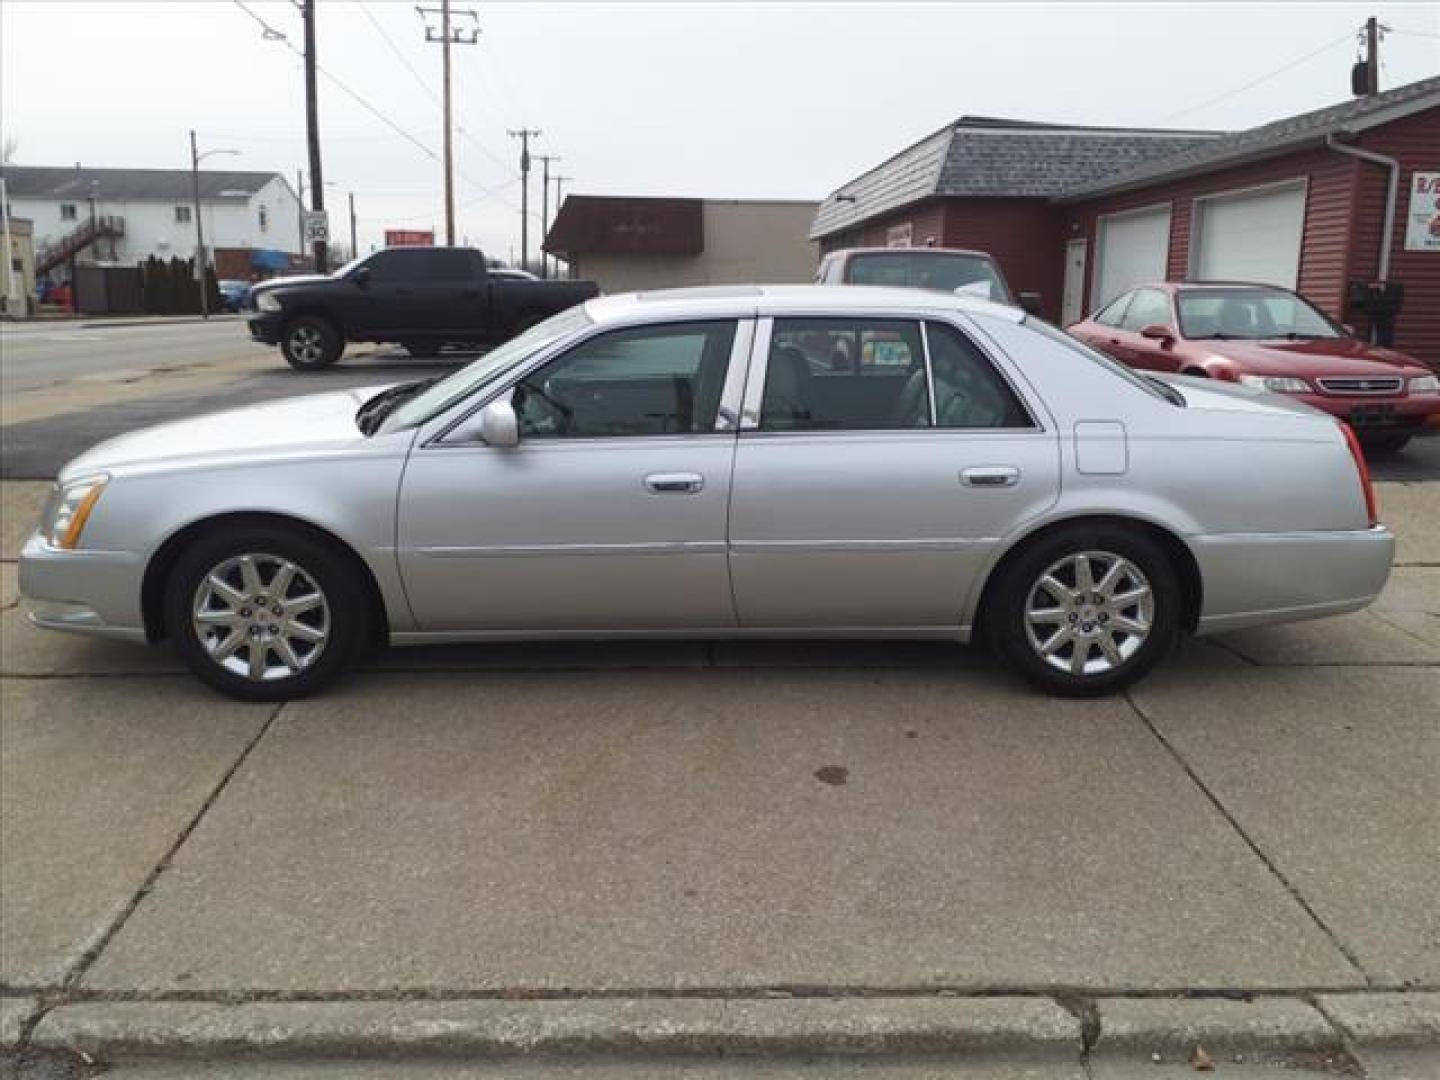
[1385, 1020]
[1029, 1029]
[648, 1027]
[185, 320]
[1169, 1030]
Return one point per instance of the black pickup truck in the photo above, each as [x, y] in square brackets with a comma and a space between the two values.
[421, 297]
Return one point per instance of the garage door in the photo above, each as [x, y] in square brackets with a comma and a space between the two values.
[1251, 237]
[1132, 249]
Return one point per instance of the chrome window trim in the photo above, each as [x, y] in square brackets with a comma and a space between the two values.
[1029, 400]
[434, 433]
[929, 371]
[727, 416]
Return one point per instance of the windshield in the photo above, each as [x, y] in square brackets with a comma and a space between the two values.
[439, 397]
[351, 265]
[924, 269]
[1249, 314]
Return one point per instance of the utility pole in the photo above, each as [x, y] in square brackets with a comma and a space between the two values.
[312, 132]
[559, 180]
[524, 135]
[201, 262]
[1372, 56]
[354, 246]
[449, 35]
[545, 160]
[300, 209]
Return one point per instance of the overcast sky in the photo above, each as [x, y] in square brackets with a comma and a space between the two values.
[723, 100]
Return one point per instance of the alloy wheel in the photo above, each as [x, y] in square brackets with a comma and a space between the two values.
[261, 617]
[306, 345]
[1089, 613]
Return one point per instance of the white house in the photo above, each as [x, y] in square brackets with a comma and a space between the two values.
[123, 216]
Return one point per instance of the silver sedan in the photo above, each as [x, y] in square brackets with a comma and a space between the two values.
[819, 462]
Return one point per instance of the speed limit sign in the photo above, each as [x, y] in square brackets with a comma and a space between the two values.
[317, 226]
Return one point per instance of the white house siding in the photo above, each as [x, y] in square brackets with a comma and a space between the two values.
[151, 227]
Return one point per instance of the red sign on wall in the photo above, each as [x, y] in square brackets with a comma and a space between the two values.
[408, 238]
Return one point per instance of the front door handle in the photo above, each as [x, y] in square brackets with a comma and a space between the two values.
[662, 483]
[991, 476]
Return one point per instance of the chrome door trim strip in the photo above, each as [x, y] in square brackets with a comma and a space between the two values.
[526, 551]
[802, 547]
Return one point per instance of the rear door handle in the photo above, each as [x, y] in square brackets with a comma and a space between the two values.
[991, 476]
[661, 483]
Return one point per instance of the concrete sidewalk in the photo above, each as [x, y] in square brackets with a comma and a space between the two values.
[890, 857]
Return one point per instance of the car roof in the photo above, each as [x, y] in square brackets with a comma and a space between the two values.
[741, 300]
[1177, 286]
[908, 251]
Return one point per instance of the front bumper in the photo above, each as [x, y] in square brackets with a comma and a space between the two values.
[1251, 579]
[1417, 415]
[265, 326]
[88, 592]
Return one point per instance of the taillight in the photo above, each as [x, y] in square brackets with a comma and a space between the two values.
[1364, 469]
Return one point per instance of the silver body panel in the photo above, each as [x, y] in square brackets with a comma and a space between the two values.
[740, 532]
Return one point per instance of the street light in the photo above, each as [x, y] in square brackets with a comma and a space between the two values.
[201, 262]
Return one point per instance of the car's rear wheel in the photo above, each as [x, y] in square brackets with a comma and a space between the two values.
[421, 349]
[265, 613]
[310, 343]
[1086, 610]
[1384, 444]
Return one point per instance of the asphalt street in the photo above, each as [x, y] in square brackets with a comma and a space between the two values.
[45, 353]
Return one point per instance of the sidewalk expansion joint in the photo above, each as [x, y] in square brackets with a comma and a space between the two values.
[91, 954]
[1254, 847]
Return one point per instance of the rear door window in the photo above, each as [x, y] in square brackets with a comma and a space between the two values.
[844, 374]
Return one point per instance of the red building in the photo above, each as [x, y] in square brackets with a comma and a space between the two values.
[1079, 214]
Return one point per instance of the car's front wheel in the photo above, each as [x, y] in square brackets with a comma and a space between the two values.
[310, 343]
[265, 613]
[1086, 610]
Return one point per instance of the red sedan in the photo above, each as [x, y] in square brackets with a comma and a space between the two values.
[1271, 339]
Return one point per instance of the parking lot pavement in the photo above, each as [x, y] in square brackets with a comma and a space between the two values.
[732, 818]
[100, 780]
[594, 831]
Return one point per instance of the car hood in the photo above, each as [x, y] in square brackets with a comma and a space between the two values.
[294, 279]
[316, 422]
[1318, 356]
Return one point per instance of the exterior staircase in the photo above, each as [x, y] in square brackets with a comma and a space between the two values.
[104, 227]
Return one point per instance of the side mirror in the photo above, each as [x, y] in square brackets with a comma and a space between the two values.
[1348, 329]
[1030, 302]
[499, 426]
[361, 276]
[1158, 332]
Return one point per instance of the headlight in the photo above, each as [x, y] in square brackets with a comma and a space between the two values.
[70, 509]
[1278, 384]
[266, 301]
[1425, 384]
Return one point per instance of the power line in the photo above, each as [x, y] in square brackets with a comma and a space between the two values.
[1416, 33]
[1347, 36]
[394, 48]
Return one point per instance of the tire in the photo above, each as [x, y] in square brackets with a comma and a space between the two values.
[421, 349]
[1026, 644]
[323, 639]
[1384, 444]
[310, 343]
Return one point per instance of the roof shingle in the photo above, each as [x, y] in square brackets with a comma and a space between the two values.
[70, 182]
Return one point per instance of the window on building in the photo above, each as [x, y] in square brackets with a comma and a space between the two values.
[67, 211]
[264, 218]
[182, 215]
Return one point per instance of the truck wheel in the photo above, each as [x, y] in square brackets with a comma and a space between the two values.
[421, 349]
[311, 343]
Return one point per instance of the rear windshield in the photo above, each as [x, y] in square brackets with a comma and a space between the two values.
[924, 269]
[1153, 387]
